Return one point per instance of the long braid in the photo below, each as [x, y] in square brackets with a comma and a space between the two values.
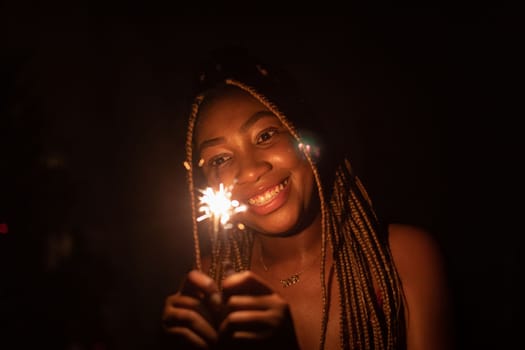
[361, 255]
[188, 164]
[358, 237]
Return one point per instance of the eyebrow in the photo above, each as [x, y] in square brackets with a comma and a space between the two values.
[244, 127]
[254, 118]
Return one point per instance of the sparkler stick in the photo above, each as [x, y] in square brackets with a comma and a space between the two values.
[219, 208]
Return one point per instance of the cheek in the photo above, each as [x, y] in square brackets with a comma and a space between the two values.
[287, 155]
[214, 177]
[303, 174]
[300, 170]
[208, 176]
[307, 178]
[310, 186]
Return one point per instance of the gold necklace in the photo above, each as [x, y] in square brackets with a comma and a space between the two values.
[288, 281]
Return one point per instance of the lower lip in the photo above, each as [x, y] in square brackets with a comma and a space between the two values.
[274, 204]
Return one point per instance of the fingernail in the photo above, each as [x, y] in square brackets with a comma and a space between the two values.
[216, 299]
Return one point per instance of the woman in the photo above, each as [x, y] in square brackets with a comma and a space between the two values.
[309, 263]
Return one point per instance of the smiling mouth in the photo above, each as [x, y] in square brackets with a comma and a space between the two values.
[268, 195]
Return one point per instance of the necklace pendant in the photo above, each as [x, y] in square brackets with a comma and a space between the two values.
[293, 279]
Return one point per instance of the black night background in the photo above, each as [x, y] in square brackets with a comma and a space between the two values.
[94, 219]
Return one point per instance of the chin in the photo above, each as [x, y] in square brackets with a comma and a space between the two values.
[284, 224]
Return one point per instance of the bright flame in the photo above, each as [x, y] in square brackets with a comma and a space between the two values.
[218, 206]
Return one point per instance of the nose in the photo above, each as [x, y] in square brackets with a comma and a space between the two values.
[251, 168]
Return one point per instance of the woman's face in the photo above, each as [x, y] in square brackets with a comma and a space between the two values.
[242, 142]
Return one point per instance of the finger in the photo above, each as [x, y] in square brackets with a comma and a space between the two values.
[263, 302]
[251, 335]
[252, 313]
[199, 285]
[176, 319]
[202, 287]
[187, 339]
[244, 283]
[207, 310]
[249, 321]
[180, 300]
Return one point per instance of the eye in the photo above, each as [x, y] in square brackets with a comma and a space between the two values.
[266, 135]
[218, 160]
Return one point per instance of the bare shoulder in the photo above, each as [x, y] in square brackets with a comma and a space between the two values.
[410, 244]
[419, 261]
[417, 256]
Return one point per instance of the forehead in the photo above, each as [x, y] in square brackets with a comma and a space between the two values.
[230, 101]
[226, 107]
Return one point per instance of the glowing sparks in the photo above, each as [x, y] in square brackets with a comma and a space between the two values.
[218, 206]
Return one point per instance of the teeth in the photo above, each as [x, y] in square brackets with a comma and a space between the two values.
[267, 196]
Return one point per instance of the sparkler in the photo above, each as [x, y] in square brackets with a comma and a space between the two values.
[219, 208]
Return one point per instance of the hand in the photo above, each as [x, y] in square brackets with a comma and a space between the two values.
[190, 315]
[254, 315]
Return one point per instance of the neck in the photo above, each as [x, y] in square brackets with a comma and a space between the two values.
[294, 249]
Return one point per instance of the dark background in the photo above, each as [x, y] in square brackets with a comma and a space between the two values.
[91, 133]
